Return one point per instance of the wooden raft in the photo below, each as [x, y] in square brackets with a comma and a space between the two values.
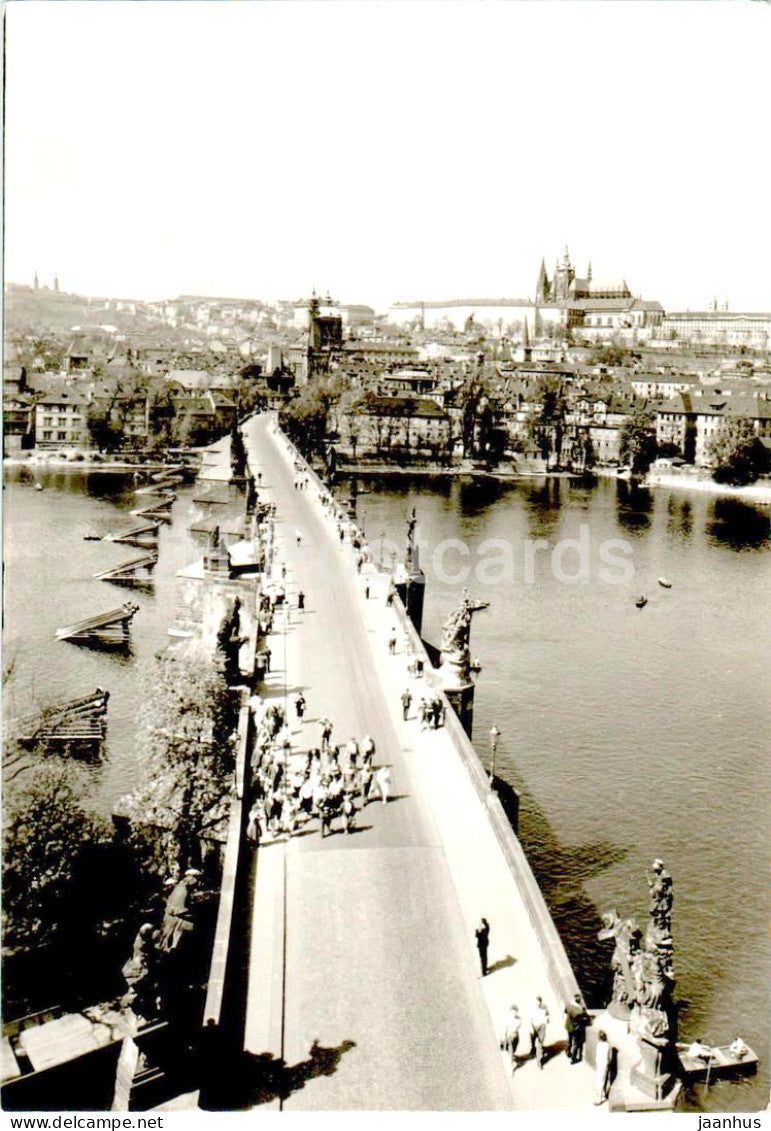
[107, 628]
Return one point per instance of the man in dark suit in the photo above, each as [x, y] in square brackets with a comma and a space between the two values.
[483, 942]
[576, 1021]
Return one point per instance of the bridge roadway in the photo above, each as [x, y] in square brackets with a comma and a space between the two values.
[363, 972]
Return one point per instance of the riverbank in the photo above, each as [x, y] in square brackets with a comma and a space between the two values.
[459, 471]
[754, 493]
[38, 461]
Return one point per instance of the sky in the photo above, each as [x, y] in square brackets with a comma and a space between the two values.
[394, 150]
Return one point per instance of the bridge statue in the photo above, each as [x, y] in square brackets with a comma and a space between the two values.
[643, 985]
[627, 937]
[141, 974]
[455, 650]
[411, 559]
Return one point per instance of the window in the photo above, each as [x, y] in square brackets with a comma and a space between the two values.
[47, 435]
[48, 420]
[61, 435]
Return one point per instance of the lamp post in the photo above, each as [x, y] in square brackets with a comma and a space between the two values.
[382, 540]
[495, 734]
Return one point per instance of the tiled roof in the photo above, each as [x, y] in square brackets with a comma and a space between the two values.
[374, 405]
[64, 397]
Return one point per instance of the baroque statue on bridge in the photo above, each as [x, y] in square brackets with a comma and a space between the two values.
[457, 627]
[643, 983]
[454, 647]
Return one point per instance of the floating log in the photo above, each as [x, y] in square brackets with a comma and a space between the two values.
[110, 628]
[219, 495]
[144, 535]
[160, 509]
[151, 512]
[163, 488]
[165, 472]
[75, 722]
[133, 572]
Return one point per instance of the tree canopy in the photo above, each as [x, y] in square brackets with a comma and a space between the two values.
[737, 455]
[187, 758]
[637, 442]
[50, 837]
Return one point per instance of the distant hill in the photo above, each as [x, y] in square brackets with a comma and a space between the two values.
[43, 310]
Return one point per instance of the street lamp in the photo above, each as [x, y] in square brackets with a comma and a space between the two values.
[382, 540]
[495, 734]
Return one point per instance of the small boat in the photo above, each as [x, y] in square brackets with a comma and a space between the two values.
[665, 583]
[92, 537]
[641, 602]
[38, 486]
[720, 1063]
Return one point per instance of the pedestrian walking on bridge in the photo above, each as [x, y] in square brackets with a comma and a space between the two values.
[367, 750]
[326, 734]
[482, 934]
[406, 701]
[392, 642]
[603, 1060]
[300, 600]
[510, 1035]
[576, 1021]
[383, 780]
[539, 1019]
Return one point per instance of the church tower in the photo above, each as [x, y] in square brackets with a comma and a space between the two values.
[563, 277]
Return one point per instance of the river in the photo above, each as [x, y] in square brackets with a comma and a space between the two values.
[630, 733]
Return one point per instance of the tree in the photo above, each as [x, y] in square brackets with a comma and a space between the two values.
[546, 425]
[637, 441]
[50, 835]
[103, 428]
[610, 354]
[187, 758]
[737, 455]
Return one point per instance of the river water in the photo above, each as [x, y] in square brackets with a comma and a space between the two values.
[630, 733]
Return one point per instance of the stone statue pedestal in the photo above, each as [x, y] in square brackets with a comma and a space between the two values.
[457, 685]
[411, 587]
[652, 1073]
[619, 1011]
[631, 1088]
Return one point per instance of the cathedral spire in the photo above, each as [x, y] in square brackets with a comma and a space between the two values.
[542, 284]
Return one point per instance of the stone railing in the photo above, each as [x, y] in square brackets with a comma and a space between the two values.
[232, 869]
[561, 974]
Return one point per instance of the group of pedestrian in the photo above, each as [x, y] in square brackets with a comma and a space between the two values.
[334, 781]
[535, 1049]
[431, 713]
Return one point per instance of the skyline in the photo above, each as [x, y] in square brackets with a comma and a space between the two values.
[443, 165]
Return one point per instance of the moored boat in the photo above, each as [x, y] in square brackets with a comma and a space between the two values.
[720, 1062]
